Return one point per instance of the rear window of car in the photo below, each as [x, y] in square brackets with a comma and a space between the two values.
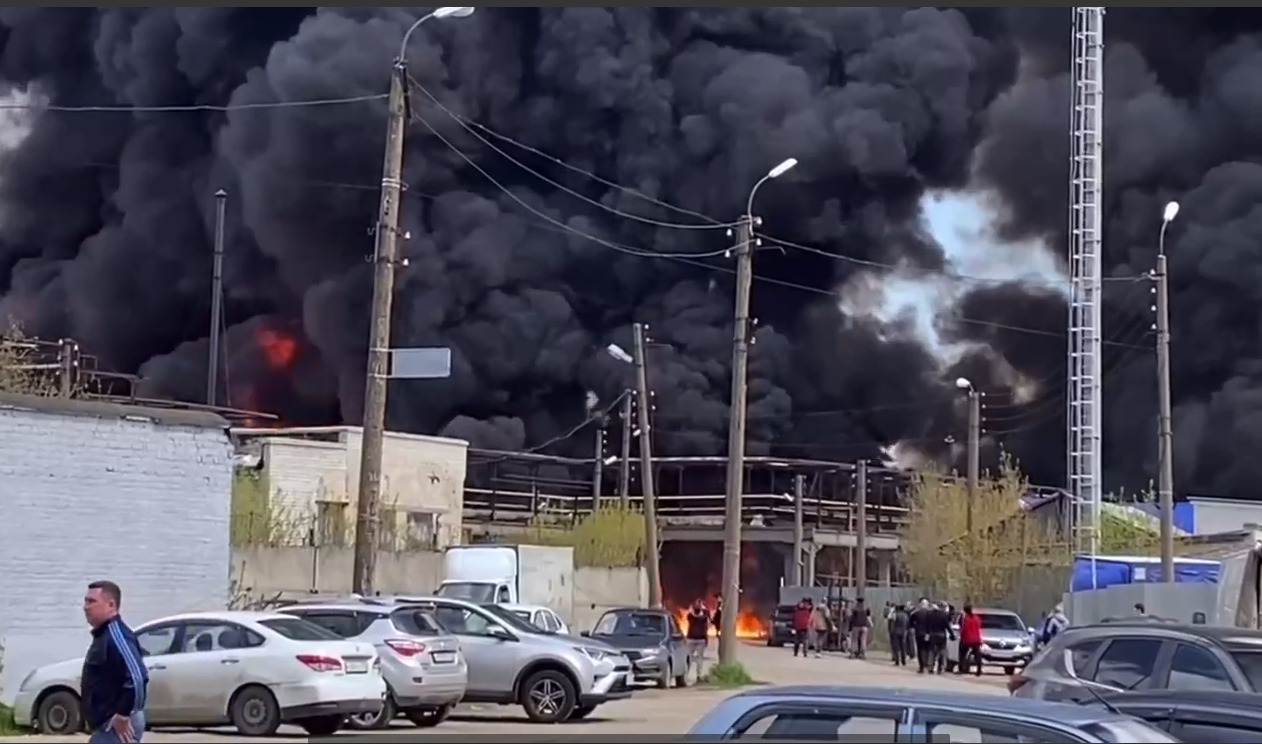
[297, 629]
[415, 622]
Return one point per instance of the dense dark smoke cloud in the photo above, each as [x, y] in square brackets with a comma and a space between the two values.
[105, 233]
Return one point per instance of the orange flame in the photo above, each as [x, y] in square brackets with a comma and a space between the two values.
[748, 625]
[278, 349]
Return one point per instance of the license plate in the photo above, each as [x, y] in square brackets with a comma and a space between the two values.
[444, 657]
[356, 666]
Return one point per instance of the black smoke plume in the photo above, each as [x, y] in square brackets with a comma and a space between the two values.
[107, 217]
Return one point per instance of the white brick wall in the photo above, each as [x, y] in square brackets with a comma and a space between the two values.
[95, 491]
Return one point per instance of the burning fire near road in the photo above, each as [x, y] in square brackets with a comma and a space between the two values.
[694, 570]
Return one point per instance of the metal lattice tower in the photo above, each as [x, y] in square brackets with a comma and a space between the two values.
[1083, 414]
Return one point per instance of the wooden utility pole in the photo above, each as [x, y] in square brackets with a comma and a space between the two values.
[860, 528]
[1165, 428]
[799, 529]
[736, 441]
[651, 545]
[624, 460]
[384, 258]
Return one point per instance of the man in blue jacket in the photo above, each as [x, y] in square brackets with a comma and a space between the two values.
[115, 680]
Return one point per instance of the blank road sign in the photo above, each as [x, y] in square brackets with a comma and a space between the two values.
[419, 364]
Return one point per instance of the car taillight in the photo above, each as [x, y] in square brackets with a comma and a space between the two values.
[321, 663]
[404, 648]
[1016, 682]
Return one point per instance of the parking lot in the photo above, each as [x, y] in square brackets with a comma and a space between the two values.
[648, 711]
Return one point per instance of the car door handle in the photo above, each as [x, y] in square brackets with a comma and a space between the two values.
[229, 661]
[156, 667]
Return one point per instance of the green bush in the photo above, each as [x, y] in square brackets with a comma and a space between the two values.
[728, 676]
[610, 537]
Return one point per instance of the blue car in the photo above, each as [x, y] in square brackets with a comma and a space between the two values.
[880, 714]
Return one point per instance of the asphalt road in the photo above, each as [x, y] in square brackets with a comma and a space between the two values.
[648, 711]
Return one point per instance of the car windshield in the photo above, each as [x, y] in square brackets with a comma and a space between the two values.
[469, 591]
[1250, 662]
[297, 629]
[511, 619]
[1123, 731]
[1001, 621]
[631, 623]
[416, 622]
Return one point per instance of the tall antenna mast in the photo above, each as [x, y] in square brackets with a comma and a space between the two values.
[1085, 269]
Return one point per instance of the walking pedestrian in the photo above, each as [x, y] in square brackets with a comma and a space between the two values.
[900, 625]
[920, 634]
[114, 681]
[970, 641]
[801, 624]
[939, 626]
[818, 632]
[698, 634]
[860, 626]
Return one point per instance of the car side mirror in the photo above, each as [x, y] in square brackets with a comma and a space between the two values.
[586, 634]
[1031, 631]
[500, 632]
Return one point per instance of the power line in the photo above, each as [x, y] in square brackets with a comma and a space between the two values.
[190, 107]
[713, 224]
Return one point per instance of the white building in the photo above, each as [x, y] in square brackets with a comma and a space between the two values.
[312, 478]
[90, 491]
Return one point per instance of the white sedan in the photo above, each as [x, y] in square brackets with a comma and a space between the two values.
[252, 670]
[541, 617]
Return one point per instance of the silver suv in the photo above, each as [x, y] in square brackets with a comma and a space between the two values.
[553, 677]
[425, 671]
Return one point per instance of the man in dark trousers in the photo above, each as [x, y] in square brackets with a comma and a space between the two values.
[801, 625]
[938, 625]
[114, 682]
[970, 642]
[900, 625]
[698, 634]
[920, 634]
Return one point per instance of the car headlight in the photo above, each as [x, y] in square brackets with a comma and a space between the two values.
[26, 681]
[595, 654]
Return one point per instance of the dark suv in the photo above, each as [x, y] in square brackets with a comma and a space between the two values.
[1122, 657]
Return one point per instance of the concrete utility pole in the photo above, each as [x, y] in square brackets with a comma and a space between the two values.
[384, 258]
[598, 474]
[624, 461]
[216, 300]
[1165, 426]
[651, 544]
[736, 429]
[799, 529]
[861, 528]
[974, 450]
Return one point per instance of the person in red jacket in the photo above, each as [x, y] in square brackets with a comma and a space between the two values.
[970, 641]
[801, 625]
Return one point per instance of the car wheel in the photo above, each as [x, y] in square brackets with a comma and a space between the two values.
[548, 697]
[950, 666]
[60, 714]
[322, 725]
[582, 712]
[428, 717]
[375, 721]
[663, 682]
[254, 712]
[682, 680]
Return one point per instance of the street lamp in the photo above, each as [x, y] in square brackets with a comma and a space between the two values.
[619, 353]
[784, 167]
[1172, 211]
[385, 256]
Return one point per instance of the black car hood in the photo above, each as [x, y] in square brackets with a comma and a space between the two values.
[630, 641]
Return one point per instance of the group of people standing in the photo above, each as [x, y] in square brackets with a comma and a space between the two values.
[921, 630]
[814, 623]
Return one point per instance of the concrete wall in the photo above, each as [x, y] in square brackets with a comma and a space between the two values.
[1176, 602]
[313, 476]
[264, 572]
[96, 491]
[1221, 515]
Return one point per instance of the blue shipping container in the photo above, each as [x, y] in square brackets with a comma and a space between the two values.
[1112, 570]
